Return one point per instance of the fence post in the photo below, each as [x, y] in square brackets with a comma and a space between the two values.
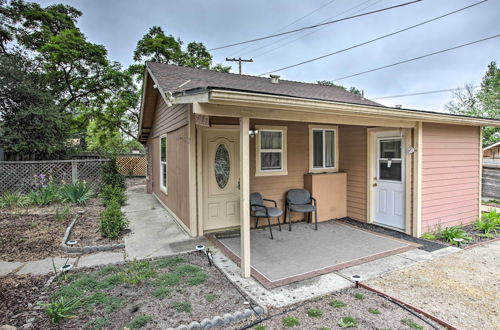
[74, 172]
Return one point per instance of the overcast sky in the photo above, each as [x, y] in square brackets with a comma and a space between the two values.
[118, 25]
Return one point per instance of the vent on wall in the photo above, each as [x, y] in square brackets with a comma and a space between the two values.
[275, 79]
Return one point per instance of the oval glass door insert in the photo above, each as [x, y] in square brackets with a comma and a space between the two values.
[222, 166]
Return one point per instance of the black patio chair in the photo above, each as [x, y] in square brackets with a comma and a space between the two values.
[300, 200]
[261, 211]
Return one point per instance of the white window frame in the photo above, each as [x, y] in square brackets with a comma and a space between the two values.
[323, 128]
[163, 183]
[258, 170]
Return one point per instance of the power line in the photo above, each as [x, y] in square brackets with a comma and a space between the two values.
[376, 39]
[316, 25]
[310, 32]
[417, 58]
[421, 93]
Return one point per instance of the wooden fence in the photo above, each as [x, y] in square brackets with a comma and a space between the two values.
[25, 176]
[132, 164]
[491, 181]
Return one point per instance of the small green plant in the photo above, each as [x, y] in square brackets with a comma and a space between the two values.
[98, 323]
[46, 195]
[60, 308]
[169, 279]
[374, 311]
[347, 322]
[137, 271]
[8, 200]
[182, 306]
[429, 236]
[170, 262]
[139, 322]
[260, 327]
[62, 215]
[324, 328]
[110, 192]
[412, 324]
[210, 297]
[113, 220]
[314, 313]
[290, 321]
[449, 233]
[489, 222]
[76, 193]
[162, 292]
[194, 275]
[359, 295]
[337, 303]
[108, 270]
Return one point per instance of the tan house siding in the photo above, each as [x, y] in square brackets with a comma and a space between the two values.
[167, 119]
[450, 175]
[352, 160]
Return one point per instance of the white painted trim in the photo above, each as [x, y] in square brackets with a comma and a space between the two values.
[193, 216]
[284, 153]
[163, 187]
[417, 180]
[334, 128]
[245, 196]
[481, 170]
[178, 221]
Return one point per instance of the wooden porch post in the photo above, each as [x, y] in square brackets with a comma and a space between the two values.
[245, 196]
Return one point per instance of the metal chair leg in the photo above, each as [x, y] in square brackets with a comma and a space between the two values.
[289, 220]
[284, 221]
[316, 219]
[256, 222]
[270, 228]
[279, 224]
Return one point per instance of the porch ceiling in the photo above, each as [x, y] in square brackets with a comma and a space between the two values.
[304, 252]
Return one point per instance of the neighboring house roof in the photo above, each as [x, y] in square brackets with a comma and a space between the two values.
[491, 146]
[170, 77]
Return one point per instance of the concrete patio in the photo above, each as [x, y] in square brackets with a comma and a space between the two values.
[304, 252]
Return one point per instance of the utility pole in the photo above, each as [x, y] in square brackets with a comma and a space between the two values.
[239, 60]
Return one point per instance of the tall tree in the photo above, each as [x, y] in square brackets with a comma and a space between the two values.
[351, 89]
[484, 102]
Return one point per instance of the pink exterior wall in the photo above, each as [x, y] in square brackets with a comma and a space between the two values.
[450, 175]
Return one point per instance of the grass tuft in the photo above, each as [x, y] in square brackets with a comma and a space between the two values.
[337, 303]
[162, 292]
[290, 321]
[412, 324]
[260, 327]
[210, 297]
[98, 323]
[170, 262]
[182, 306]
[139, 322]
[314, 313]
[347, 322]
[359, 295]
[374, 311]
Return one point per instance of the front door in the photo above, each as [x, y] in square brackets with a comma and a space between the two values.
[221, 176]
[389, 186]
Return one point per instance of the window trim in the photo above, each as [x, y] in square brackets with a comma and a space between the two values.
[163, 185]
[258, 151]
[333, 128]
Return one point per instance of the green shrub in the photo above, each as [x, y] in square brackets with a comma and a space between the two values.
[61, 308]
[113, 220]
[111, 176]
[139, 322]
[337, 303]
[138, 271]
[14, 200]
[45, 195]
[77, 193]
[290, 321]
[489, 222]
[314, 313]
[449, 233]
[347, 322]
[110, 192]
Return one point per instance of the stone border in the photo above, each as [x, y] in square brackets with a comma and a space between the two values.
[85, 249]
[219, 321]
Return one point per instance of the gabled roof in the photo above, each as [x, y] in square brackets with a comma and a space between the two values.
[170, 77]
[491, 146]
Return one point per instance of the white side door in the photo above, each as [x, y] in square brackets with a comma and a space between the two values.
[221, 176]
[389, 187]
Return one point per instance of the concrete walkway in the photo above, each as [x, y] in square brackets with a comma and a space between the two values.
[154, 233]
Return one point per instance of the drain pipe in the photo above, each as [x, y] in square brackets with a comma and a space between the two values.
[410, 308]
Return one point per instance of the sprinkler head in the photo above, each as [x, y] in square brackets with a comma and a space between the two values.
[66, 267]
[200, 247]
[356, 278]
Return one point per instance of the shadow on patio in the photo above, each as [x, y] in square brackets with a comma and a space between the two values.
[304, 253]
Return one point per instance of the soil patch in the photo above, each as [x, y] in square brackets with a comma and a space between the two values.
[159, 294]
[366, 309]
[18, 294]
[86, 230]
[461, 288]
[26, 237]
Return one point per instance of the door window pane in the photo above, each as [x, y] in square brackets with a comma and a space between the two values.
[317, 148]
[390, 170]
[390, 149]
[270, 140]
[222, 166]
[329, 148]
[270, 161]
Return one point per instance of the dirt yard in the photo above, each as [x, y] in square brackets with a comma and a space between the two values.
[462, 288]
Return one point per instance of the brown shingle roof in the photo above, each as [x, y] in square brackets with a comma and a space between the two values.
[171, 76]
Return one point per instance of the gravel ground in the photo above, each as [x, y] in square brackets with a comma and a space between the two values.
[462, 288]
[384, 314]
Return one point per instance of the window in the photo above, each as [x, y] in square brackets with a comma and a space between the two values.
[390, 160]
[271, 150]
[163, 163]
[323, 148]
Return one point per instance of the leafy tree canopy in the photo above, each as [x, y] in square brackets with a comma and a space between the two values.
[353, 90]
[484, 102]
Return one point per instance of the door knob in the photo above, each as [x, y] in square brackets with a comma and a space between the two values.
[238, 184]
[375, 184]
